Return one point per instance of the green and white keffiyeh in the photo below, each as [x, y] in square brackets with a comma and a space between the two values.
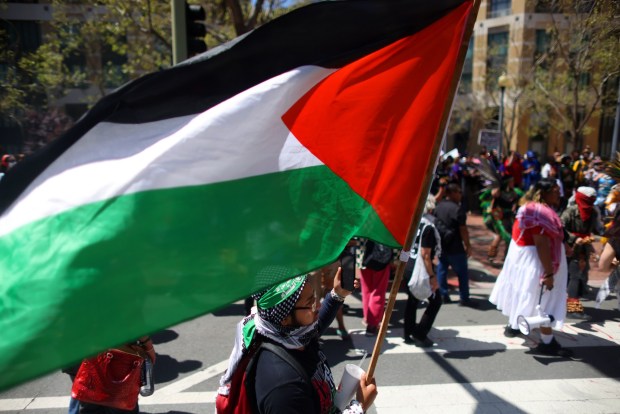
[272, 306]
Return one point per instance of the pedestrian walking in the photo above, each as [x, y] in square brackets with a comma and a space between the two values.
[376, 269]
[535, 269]
[426, 245]
[455, 245]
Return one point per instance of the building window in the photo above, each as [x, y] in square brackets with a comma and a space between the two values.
[74, 56]
[538, 144]
[543, 40]
[542, 47]
[497, 57]
[24, 34]
[545, 6]
[498, 8]
[112, 64]
[468, 68]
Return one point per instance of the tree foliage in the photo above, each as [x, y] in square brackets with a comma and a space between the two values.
[90, 48]
[572, 77]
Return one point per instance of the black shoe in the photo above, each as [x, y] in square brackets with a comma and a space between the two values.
[372, 330]
[553, 348]
[578, 315]
[511, 333]
[446, 299]
[469, 303]
[409, 340]
[422, 342]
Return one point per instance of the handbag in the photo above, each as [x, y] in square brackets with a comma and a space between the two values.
[111, 379]
[420, 284]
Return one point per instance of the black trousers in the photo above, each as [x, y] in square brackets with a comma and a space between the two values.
[419, 330]
[577, 279]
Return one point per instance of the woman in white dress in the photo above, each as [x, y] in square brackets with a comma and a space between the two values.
[536, 260]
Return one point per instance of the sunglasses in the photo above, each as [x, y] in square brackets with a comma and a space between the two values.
[312, 308]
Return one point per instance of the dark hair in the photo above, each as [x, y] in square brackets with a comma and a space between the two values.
[453, 188]
[535, 192]
[545, 184]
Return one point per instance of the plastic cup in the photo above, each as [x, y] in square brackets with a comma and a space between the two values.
[348, 385]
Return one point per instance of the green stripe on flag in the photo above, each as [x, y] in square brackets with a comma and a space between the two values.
[114, 270]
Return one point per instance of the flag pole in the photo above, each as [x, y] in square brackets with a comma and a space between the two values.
[415, 220]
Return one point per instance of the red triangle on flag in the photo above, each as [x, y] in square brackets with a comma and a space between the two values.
[374, 121]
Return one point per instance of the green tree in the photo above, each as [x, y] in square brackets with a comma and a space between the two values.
[94, 48]
[572, 77]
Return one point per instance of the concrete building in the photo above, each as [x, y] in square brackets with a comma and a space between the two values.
[508, 36]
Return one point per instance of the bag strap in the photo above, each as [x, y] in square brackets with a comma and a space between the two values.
[282, 354]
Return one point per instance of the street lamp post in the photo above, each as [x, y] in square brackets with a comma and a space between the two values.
[502, 81]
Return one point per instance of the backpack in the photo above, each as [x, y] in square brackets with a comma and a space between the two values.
[241, 398]
[446, 233]
[377, 256]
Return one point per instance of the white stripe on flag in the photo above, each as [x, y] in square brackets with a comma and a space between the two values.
[239, 138]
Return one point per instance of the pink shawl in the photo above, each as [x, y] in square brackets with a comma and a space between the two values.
[537, 214]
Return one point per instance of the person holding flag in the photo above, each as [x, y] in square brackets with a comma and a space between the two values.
[289, 315]
[272, 150]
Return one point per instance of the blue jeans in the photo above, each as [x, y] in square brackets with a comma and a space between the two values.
[74, 406]
[459, 264]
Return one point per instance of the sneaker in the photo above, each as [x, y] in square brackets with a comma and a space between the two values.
[468, 303]
[446, 299]
[422, 342]
[511, 333]
[342, 333]
[553, 348]
[371, 330]
[578, 315]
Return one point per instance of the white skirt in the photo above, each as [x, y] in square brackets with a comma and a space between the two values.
[517, 288]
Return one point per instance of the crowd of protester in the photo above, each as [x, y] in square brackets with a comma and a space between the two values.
[496, 189]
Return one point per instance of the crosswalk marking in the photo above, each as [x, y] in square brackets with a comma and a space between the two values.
[581, 395]
[491, 338]
[448, 339]
[599, 395]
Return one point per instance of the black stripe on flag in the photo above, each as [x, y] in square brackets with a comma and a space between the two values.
[329, 34]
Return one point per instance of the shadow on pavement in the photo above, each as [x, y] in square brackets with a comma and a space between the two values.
[458, 347]
[476, 275]
[167, 368]
[338, 350]
[483, 397]
[161, 337]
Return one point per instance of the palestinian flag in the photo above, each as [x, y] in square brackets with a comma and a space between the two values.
[193, 187]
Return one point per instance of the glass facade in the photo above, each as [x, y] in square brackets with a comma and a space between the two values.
[498, 8]
[497, 57]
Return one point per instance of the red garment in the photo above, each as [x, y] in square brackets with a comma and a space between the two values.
[585, 205]
[527, 237]
[515, 170]
[374, 286]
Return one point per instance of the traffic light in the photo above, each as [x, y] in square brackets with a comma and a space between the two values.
[195, 29]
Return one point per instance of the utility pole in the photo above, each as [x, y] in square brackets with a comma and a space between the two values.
[179, 32]
[502, 81]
